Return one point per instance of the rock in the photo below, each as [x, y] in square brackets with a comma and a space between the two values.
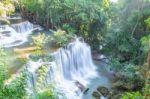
[4, 21]
[6, 33]
[103, 90]
[96, 95]
[81, 87]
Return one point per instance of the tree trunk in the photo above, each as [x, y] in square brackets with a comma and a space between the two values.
[147, 78]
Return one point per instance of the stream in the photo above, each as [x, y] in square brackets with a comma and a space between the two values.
[73, 64]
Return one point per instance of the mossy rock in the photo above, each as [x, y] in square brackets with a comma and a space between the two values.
[96, 95]
[103, 90]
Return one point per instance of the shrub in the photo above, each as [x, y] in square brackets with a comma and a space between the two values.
[46, 94]
[132, 95]
[61, 38]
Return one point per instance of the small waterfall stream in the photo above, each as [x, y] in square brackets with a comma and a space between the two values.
[16, 34]
[23, 27]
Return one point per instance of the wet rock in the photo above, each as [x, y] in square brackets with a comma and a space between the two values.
[96, 95]
[103, 90]
[81, 87]
[6, 33]
[17, 41]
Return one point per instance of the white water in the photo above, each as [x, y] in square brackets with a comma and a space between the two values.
[74, 64]
[32, 67]
[16, 34]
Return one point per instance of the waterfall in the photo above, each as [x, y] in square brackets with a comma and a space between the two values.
[33, 84]
[16, 34]
[23, 27]
[74, 64]
[75, 60]
[8, 36]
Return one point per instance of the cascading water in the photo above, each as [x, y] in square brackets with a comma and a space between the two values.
[74, 65]
[75, 61]
[7, 34]
[23, 27]
[16, 34]
[32, 78]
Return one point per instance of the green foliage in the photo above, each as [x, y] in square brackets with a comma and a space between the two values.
[16, 89]
[6, 7]
[147, 21]
[49, 93]
[127, 28]
[42, 72]
[69, 29]
[3, 70]
[39, 42]
[147, 89]
[145, 43]
[61, 38]
[85, 17]
[132, 95]
[45, 57]
[46, 94]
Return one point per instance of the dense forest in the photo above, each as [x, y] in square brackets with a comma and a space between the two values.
[49, 49]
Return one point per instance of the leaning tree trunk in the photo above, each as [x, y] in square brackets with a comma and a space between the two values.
[147, 76]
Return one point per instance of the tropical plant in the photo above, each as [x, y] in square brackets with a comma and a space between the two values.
[16, 89]
[3, 71]
[39, 42]
[132, 95]
[46, 94]
[61, 38]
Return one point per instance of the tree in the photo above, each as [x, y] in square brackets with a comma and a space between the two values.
[6, 7]
[87, 17]
[127, 28]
